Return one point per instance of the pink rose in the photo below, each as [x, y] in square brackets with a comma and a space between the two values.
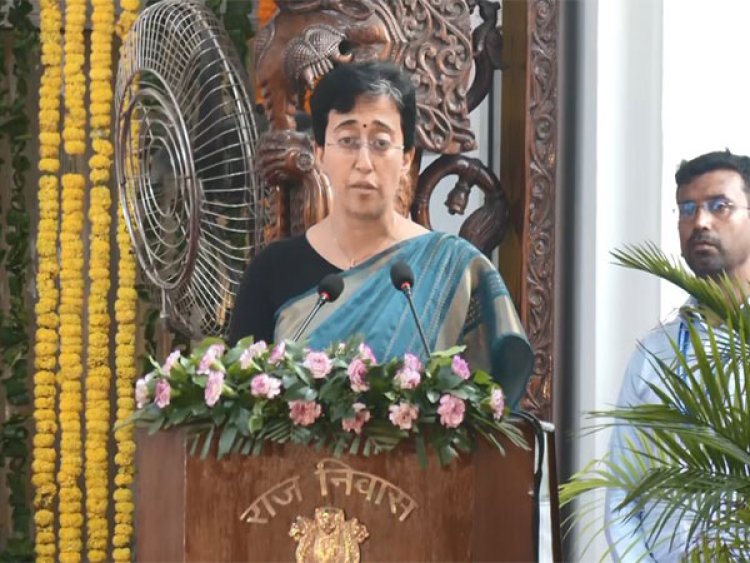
[170, 362]
[355, 423]
[318, 363]
[407, 378]
[403, 415]
[366, 354]
[264, 386]
[497, 403]
[451, 411]
[412, 362]
[357, 371]
[252, 352]
[277, 354]
[460, 367]
[162, 393]
[141, 393]
[214, 352]
[213, 387]
[304, 413]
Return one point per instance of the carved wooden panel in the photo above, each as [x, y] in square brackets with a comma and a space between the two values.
[430, 39]
[540, 278]
[528, 168]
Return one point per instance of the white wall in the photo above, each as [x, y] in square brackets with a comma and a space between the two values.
[705, 94]
[618, 200]
[660, 81]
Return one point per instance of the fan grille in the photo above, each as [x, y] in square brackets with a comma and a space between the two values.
[186, 135]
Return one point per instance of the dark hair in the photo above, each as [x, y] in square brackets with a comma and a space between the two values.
[339, 89]
[689, 170]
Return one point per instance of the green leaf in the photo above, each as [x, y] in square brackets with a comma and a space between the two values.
[156, 425]
[254, 424]
[482, 378]
[228, 436]
[448, 353]
[445, 379]
[299, 392]
[208, 438]
[354, 447]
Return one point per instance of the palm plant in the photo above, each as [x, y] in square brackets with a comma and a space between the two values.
[691, 462]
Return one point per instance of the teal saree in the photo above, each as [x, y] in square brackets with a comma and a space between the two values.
[458, 294]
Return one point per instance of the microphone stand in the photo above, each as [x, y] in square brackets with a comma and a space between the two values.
[406, 289]
[322, 300]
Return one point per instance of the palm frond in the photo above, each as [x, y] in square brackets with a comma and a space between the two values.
[718, 298]
[691, 459]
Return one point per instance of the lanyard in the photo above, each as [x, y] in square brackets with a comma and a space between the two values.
[683, 341]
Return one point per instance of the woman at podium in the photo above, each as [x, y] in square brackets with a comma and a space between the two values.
[364, 127]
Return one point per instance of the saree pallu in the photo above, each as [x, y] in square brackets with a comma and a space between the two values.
[458, 294]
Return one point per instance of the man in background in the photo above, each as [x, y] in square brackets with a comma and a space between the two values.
[713, 197]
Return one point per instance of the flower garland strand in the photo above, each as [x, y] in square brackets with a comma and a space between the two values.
[47, 320]
[72, 289]
[125, 355]
[98, 378]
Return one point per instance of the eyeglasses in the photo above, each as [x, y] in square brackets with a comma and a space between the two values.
[353, 145]
[719, 207]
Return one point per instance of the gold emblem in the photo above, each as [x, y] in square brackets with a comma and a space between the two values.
[328, 538]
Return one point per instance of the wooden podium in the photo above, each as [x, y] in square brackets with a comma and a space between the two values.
[242, 508]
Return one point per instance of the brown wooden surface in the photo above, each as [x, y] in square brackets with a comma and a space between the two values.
[477, 509]
[528, 167]
[160, 461]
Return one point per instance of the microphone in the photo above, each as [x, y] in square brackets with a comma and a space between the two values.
[329, 289]
[403, 280]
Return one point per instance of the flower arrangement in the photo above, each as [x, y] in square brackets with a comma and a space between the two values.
[340, 397]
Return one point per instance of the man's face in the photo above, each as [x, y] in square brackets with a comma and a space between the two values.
[365, 179]
[715, 231]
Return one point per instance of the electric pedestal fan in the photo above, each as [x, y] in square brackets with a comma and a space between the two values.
[184, 158]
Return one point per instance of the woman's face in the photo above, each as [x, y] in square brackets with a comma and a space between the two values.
[364, 157]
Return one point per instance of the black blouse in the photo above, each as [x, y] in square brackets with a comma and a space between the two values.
[284, 269]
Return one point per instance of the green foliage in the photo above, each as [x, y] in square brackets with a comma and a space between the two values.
[244, 417]
[693, 450]
[235, 17]
[15, 262]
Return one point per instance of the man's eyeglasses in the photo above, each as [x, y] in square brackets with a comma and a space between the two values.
[353, 145]
[719, 207]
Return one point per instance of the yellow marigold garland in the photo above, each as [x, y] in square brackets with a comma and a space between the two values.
[125, 365]
[98, 378]
[72, 289]
[46, 339]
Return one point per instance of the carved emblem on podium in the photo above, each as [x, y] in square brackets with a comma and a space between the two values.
[328, 537]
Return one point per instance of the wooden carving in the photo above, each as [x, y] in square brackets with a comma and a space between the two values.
[430, 39]
[540, 245]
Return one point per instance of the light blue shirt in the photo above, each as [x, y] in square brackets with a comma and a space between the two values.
[633, 539]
